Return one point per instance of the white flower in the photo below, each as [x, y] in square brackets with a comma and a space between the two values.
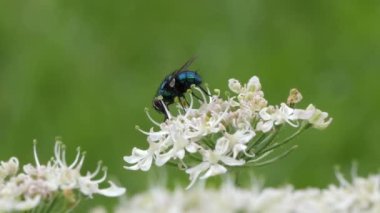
[89, 187]
[359, 195]
[319, 119]
[37, 183]
[211, 162]
[230, 122]
[275, 116]
[179, 140]
[12, 187]
[250, 95]
[234, 85]
[253, 85]
[69, 177]
[237, 141]
[9, 204]
[8, 168]
[142, 159]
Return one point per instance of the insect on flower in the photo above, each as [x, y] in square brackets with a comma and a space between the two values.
[175, 85]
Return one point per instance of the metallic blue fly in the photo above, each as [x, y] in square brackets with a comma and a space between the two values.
[175, 85]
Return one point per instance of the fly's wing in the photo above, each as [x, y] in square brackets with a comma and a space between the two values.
[185, 66]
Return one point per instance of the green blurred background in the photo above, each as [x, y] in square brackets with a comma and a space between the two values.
[85, 70]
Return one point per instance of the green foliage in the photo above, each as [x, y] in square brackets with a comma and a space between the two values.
[85, 70]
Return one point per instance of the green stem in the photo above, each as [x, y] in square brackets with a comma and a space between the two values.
[265, 142]
[259, 158]
[39, 207]
[256, 141]
[51, 204]
[195, 158]
[209, 143]
[286, 140]
[61, 206]
[238, 178]
[276, 158]
[172, 164]
[73, 206]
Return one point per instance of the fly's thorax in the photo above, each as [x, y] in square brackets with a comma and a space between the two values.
[185, 79]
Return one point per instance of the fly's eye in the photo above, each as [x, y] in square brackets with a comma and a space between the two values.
[156, 104]
[172, 83]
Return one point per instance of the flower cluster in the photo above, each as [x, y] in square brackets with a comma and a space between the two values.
[239, 130]
[45, 186]
[359, 195]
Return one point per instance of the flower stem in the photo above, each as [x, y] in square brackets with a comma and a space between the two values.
[170, 163]
[209, 143]
[275, 158]
[254, 142]
[265, 142]
[72, 206]
[286, 140]
[51, 204]
[195, 158]
[238, 178]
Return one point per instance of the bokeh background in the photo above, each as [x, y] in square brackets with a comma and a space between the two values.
[85, 70]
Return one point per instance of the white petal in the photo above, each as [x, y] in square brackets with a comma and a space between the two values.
[192, 148]
[180, 154]
[305, 114]
[9, 168]
[244, 136]
[27, 204]
[214, 170]
[137, 155]
[200, 167]
[264, 114]
[145, 163]
[112, 191]
[323, 124]
[134, 167]
[162, 159]
[286, 109]
[238, 148]
[231, 161]
[221, 146]
[264, 126]
[254, 84]
[234, 85]
[194, 172]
